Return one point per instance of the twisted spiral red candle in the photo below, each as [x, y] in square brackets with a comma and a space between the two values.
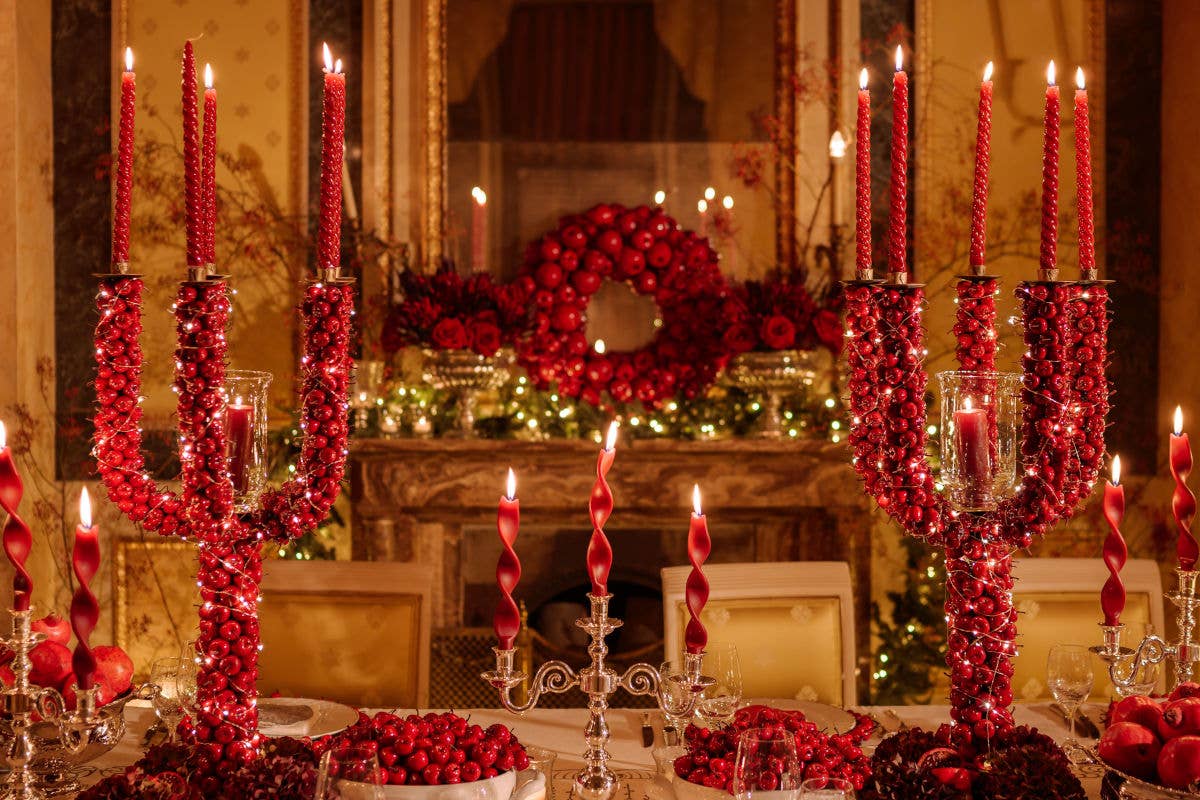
[85, 610]
[1183, 502]
[1112, 596]
[124, 174]
[1083, 179]
[695, 637]
[1049, 244]
[17, 538]
[898, 219]
[333, 135]
[192, 192]
[507, 620]
[208, 170]
[600, 506]
[862, 180]
[983, 148]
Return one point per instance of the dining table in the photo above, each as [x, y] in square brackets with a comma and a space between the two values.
[560, 731]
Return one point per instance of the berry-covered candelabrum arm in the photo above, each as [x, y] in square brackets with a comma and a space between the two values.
[1089, 359]
[975, 324]
[864, 357]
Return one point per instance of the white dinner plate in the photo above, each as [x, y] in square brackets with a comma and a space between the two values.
[830, 719]
[328, 717]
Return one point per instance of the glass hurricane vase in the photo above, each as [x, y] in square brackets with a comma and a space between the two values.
[464, 374]
[981, 417]
[773, 373]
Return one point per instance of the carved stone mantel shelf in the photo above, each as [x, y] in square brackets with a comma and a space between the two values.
[413, 498]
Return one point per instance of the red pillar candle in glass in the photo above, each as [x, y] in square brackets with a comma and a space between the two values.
[699, 545]
[983, 150]
[973, 445]
[239, 417]
[85, 610]
[507, 621]
[193, 201]
[208, 169]
[862, 180]
[479, 222]
[1183, 503]
[333, 136]
[17, 538]
[1112, 596]
[600, 506]
[1049, 244]
[898, 219]
[1083, 178]
[123, 179]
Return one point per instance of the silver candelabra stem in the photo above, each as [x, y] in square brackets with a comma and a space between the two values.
[1125, 664]
[598, 681]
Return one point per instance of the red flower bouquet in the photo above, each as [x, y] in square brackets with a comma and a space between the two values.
[779, 313]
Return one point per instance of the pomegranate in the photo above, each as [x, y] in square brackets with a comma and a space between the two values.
[1131, 748]
[51, 664]
[115, 667]
[1180, 718]
[1137, 708]
[1179, 762]
[55, 627]
[1185, 689]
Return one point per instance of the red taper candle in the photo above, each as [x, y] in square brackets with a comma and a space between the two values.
[17, 538]
[333, 135]
[123, 194]
[208, 170]
[600, 506]
[1049, 247]
[983, 158]
[507, 621]
[1183, 503]
[193, 200]
[862, 180]
[699, 544]
[898, 219]
[1083, 178]
[85, 610]
[1112, 596]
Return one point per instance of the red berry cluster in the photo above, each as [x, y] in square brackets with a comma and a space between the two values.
[711, 754]
[1089, 358]
[202, 315]
[646, 249]
[434, 749]
[975, 325]
[864, 356]
[118, 420]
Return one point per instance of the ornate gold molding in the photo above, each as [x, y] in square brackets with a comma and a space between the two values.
[786, 171]
[433, 196]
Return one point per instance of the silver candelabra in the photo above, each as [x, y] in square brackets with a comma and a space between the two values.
[598, 681]
[1125, 664]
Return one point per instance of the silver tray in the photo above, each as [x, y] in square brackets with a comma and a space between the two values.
[1133, 788]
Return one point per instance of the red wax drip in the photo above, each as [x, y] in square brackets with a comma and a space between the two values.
[333, 134]
[85, 610]
[124, 175]
[979, 195]
[862, 183]
[1049, 248]
[898, 221]
[600, 506]
[1183, 503]
[1083, 183]
[1112, 596]
[193, 201]
[507, 621]
[695, 637]
[18, 540]
[208, 178]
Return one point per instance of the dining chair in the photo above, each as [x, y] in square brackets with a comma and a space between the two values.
[352, 631]
[1058, 600]
[792, 624]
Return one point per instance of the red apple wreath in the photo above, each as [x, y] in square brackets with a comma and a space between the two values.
[646, 249]
[1156, 740]
[51, 664]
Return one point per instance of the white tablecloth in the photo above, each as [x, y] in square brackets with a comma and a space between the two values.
[561, 731]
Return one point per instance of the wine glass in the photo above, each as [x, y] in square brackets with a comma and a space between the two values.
[766, 761]
[719, 701]
[676, 689]
[1069, 673]
[350, 772]
[827, 789]
[176, 682]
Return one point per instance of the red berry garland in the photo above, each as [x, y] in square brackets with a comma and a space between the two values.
[975, 325]
[648, 250]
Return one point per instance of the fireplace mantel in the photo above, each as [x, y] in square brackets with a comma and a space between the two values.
[412, 500]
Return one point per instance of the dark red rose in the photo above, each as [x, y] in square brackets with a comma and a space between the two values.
[740, 338]
[485, 337]
[829, 329]
[778, 332]
[449, 334]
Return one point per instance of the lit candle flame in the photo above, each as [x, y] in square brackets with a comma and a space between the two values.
[600, 346]
[3, 436]
[1178, 423]
[611, 440]
[862, 78]
[967, 405]
[1079, 78]
[337, 66]
[710, 194]
[702, 205]
[1116, 471]
[837, 145]
[510, 488]
[1050, 73]
[659, 197]
[899, 57]
[727, 201]
[129, 59]
[85, 508]
[987, 71]
[208, 76]
[696, 499]
[480, 195]
[328, 57]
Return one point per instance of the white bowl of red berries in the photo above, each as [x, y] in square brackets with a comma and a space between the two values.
[443, 757]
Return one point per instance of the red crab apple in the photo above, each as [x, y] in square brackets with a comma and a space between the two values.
[51, 664]
[1179, 762]
[1131, 748]
[1137, 708]
[1180, 718]
[55, 627]
[1185, 689]
[115, 667]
